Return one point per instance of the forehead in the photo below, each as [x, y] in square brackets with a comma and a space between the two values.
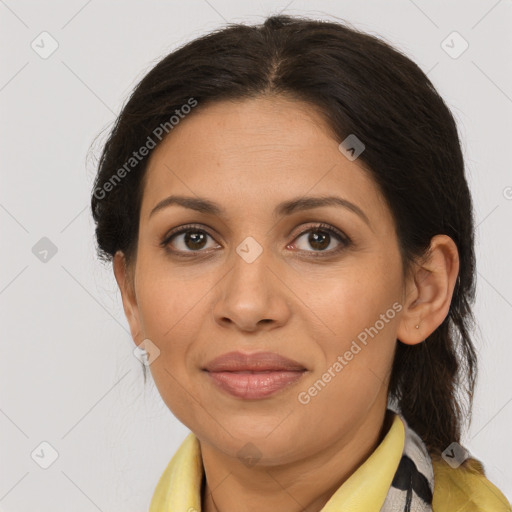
[258, 151]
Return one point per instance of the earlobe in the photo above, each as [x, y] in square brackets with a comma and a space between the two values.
[430, 291]
[126, 287]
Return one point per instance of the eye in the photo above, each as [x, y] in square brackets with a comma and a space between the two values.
[189, 238]
[321, 237]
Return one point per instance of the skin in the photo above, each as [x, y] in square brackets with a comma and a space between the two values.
[248, 156]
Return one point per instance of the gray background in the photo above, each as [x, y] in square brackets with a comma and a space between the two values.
[67, 369]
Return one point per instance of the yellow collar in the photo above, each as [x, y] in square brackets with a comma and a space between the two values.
[179, 487]
[465, 488]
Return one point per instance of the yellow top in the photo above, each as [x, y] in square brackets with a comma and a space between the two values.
[464, 489]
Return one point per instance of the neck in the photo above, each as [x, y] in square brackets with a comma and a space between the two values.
[302, 486]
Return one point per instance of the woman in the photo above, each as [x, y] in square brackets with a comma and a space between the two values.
[292, 234]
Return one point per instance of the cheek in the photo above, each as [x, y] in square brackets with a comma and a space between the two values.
[354, 298]
[359, 312]
[170, 315]
[169, 306]
[170, 311]
[357, 363]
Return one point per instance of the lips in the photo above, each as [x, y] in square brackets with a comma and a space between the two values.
[253, 376]
[257, 362]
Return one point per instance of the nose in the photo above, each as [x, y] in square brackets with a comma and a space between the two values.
[252, 296]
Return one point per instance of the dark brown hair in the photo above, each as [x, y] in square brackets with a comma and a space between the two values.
[363, 86]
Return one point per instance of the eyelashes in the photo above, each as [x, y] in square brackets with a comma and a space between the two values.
[194, 229]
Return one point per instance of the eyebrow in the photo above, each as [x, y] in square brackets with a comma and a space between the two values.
[206, 206]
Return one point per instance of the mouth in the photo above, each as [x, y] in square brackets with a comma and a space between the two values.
[254, 385]
[253, 376]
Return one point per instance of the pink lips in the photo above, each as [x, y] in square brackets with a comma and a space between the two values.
[253, 376]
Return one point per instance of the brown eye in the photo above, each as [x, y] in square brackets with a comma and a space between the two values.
[321, 239]
[187, 239]
[318, 240]
[194, 240]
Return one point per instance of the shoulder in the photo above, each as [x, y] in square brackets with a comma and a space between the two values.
[465, 488]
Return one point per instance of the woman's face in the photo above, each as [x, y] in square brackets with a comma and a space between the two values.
[256, 277]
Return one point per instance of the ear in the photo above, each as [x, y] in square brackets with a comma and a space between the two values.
[126, 284]
[429, 291]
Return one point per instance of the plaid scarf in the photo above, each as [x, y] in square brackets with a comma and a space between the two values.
[413, 484]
